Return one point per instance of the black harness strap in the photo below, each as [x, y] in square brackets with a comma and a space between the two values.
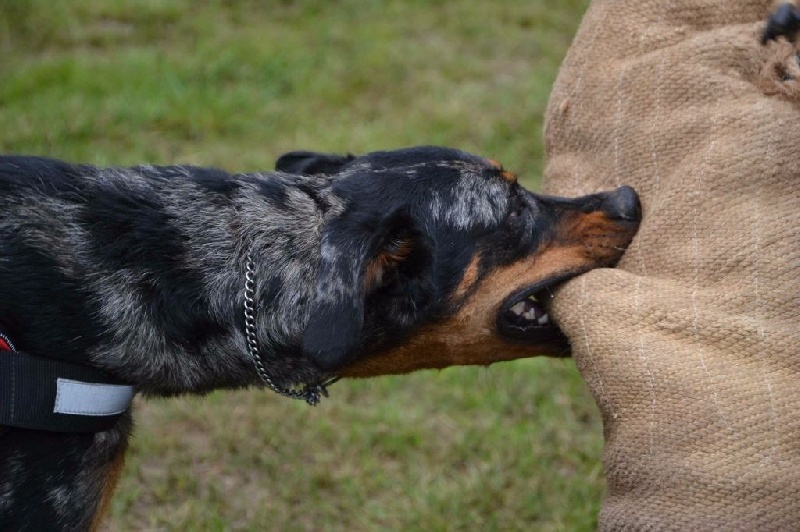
[30, 387]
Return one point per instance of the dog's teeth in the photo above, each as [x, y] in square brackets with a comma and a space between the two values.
[530, 315]
[544, 320]
[519, 308]
[533, 299]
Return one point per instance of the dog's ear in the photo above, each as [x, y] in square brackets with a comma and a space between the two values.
[310, 163]
[360, 254]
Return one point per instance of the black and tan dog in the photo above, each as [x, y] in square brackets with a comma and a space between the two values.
[182, 280]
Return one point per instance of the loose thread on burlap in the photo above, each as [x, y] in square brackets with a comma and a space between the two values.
[656, 127]
[590, 355]
[643, 351]
[578, 86]
[619, 116]
[769, 158]
[696, 259]
[654, 198]
[617, 123]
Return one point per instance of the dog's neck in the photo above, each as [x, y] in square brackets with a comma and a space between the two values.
[193, 339]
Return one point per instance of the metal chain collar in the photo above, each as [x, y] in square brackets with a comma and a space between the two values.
[311, 393]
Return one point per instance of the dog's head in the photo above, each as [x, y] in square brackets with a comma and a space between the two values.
[441, 258]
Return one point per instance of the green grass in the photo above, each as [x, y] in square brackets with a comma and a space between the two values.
[235, 84]
[514, 447]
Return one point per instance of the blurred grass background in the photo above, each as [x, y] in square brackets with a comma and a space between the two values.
[234, 84]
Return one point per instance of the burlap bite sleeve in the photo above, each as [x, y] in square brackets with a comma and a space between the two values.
[690, 347]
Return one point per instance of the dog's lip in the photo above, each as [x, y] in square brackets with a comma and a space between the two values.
[532, 332]
[540, 288]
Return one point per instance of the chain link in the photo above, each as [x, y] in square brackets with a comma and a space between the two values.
[310, 393]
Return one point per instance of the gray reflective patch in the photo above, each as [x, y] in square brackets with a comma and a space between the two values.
[90, 399]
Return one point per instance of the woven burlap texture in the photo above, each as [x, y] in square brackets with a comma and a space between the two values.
[691, 347]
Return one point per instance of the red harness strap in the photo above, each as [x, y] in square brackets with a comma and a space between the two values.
[5, 343]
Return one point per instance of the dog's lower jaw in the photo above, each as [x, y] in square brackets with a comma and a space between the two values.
[440, 347]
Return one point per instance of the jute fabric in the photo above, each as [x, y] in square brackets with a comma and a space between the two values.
[691, 347]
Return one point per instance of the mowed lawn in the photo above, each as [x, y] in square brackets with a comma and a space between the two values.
[234, 84]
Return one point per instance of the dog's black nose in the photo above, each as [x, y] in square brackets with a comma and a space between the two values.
[623, 204]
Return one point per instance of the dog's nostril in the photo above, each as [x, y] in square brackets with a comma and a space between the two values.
[623, 204]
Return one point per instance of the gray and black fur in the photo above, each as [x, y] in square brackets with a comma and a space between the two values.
[140, 272]
[784, 21]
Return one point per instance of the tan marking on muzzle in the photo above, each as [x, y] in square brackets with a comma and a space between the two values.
[469, 279]
[603, 239]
